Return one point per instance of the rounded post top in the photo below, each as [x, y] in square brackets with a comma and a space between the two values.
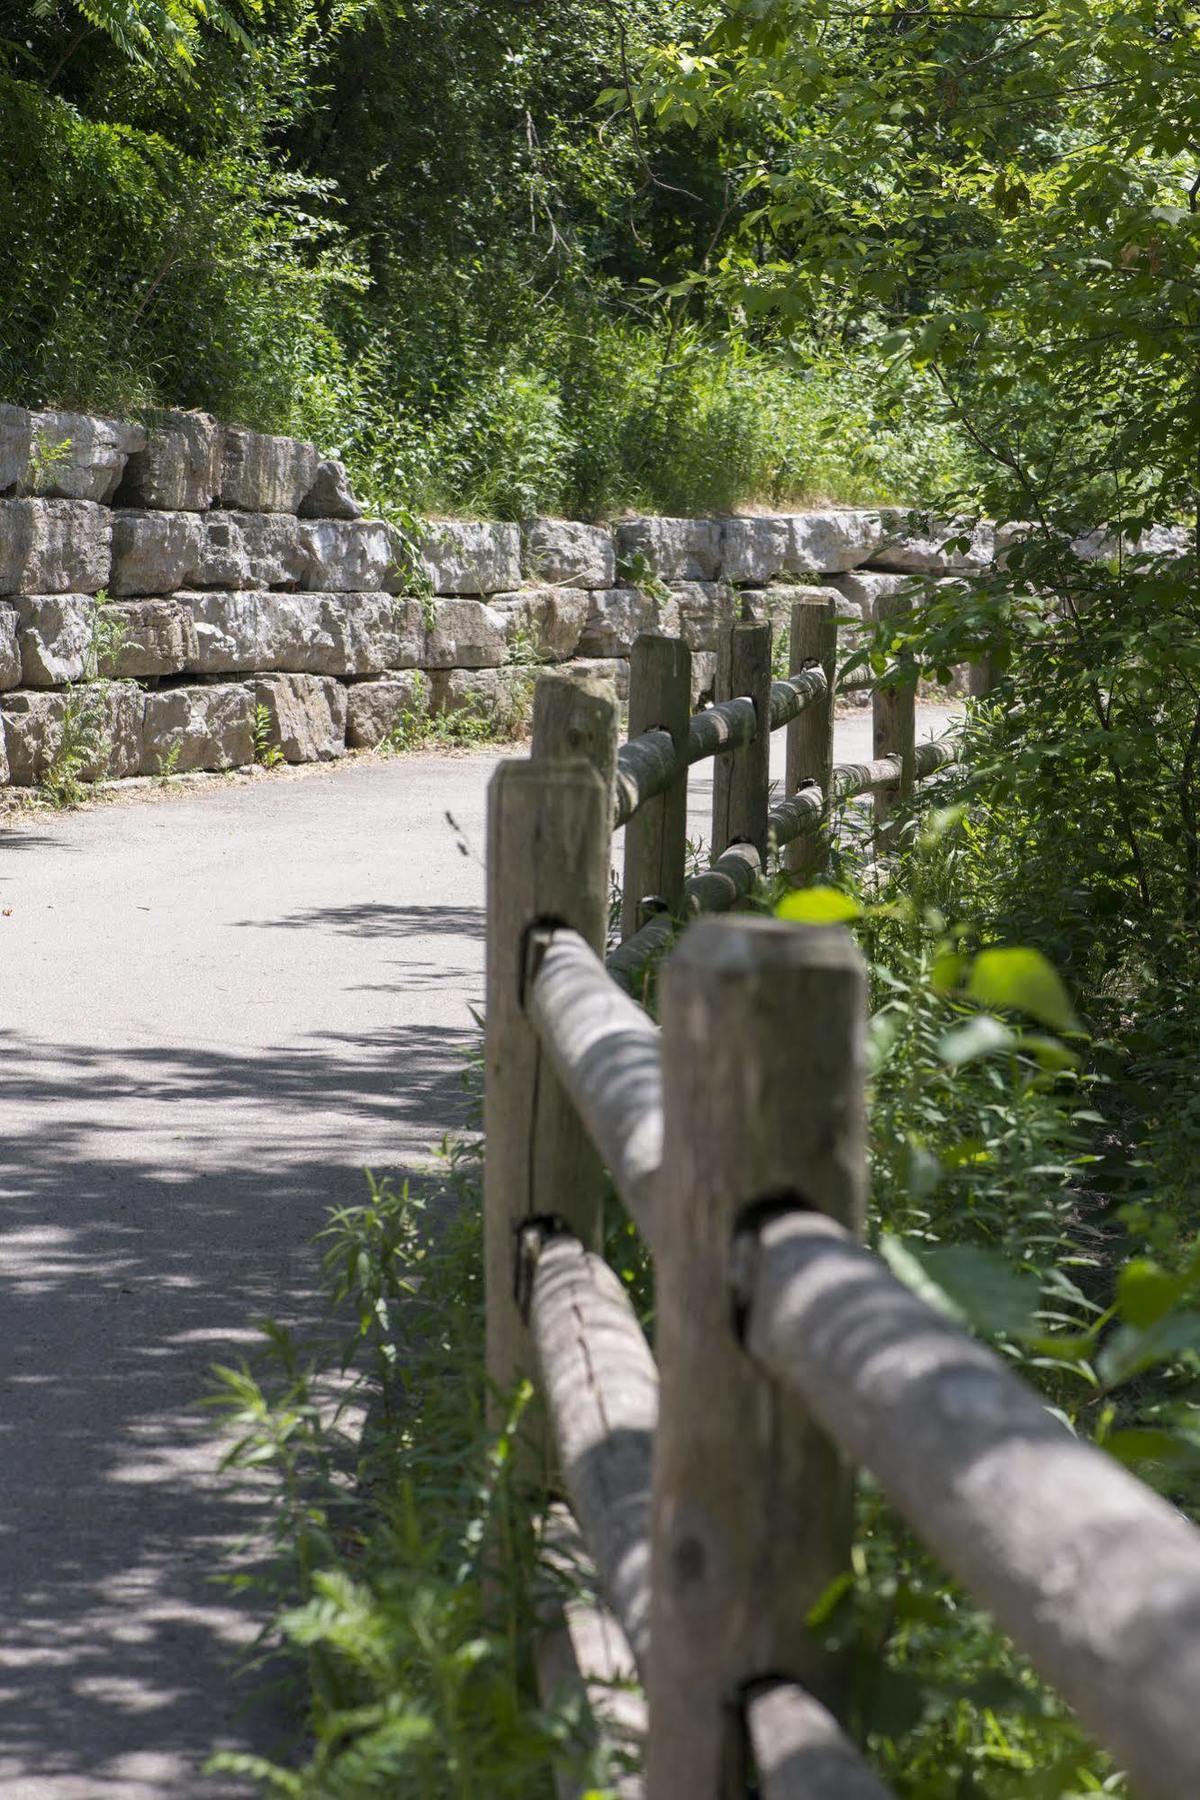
[554, 771]
[749, 945]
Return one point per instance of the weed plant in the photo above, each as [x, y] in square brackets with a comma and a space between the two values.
[82, 747]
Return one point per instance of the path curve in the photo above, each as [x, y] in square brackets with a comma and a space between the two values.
[217, 1008]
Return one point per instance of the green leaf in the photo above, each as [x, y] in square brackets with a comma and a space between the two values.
[948, 971]
[942, 818]
[1049, 1052]
[980, 1036]
[1024, 979]
[894, 1702]
[818, 906]
[1130, 1351]
[1137, 1444]
[1146, 1293]
[967, 1283]
[909, 1268]
[988, 1289]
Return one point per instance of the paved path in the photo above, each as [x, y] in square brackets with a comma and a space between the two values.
[215, 1009]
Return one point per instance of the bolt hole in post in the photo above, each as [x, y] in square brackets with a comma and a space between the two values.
[744, 1247]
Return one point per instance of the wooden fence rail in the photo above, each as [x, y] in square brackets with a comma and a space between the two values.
[711, 1480]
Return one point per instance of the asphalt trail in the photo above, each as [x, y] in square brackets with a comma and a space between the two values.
[217, 1009]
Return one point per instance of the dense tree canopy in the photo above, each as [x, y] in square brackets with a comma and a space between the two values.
[412, 231]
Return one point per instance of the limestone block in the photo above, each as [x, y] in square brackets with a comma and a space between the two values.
[203, 727]
[864, 588]
[616, 616]
[150, 638]
[306, 715]
[774, 604]
[1160, 540]
[154, 552]
[500, 699]
[825, 543]
[704, 677]
[704, 608]
[465, 634]
[386, 632]
[179, 470]
[16, 433]
[547, 621]
[10, 648]
[673, 549]
[341, 634]
[54, 546]
[383, 704]
[616, 666]
[303, 634]
[1093, 546]
[55, 634]
[330, 497]
[266, 474]
[229, 633]
[915, 546]
[346, 556]
[471, 556]
[249, 550]
[222, 561]
[276, 555]
[73, 456]
[564, 553]
[755, 550]
[107, 715]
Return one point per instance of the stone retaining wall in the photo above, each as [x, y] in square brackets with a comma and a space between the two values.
[211, 593]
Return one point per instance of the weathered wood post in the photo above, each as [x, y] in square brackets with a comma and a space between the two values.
[981, 676]
[742, 777]
[763, 1033]
[549, 853]
[660, 699]
[575, 713]
[894, 710]
[813, 642]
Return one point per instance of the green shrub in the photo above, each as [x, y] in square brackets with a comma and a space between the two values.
[133, 273]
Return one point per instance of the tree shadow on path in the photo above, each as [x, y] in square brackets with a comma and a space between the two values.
[154, 1205]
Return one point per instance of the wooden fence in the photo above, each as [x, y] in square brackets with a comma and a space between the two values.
[708, 1485]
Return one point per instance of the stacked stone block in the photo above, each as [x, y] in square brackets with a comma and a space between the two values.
[210, 593]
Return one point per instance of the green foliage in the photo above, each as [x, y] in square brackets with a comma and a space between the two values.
[80, 750]
[267, 754]
[150, 31]
[474, 721]
[404, 1560]
[82, 747]
[260, 210]
[135, 271]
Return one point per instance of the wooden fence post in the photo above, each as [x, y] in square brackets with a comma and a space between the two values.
[813, 640]
[981, 676]
[660, 699]
[575, 713]
[548, 859]
[763, 1032]
[894, 710]
[742, 777]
